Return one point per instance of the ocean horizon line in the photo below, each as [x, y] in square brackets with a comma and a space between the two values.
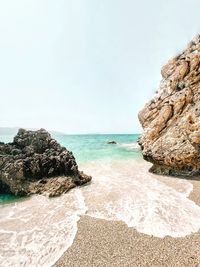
[8, 130]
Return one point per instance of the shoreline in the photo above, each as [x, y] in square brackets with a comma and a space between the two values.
[112, 243]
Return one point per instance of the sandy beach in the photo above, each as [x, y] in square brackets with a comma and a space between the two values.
[110, 243]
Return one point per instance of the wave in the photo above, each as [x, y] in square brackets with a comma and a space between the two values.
[37, 231]
[153, 205]
[130, 146]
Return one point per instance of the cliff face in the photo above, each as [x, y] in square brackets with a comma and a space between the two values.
[36, 163]
[171, 120]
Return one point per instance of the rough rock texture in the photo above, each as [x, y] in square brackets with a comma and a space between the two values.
[36, 163]
[171, 121]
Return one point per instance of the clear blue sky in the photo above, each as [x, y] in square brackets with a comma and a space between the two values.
[80, 66]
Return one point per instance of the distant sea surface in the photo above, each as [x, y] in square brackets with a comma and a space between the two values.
[94, 147]
[37, 230]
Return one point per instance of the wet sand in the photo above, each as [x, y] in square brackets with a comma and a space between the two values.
[100, 243]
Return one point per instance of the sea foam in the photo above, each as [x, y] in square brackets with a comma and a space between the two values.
[130, 146]
[36, 232]
[153, 205]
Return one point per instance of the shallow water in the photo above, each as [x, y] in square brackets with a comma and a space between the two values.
[153, 205]
[36, 232]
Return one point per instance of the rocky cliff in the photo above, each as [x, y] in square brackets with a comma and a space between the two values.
[171, 120]
[36, 163]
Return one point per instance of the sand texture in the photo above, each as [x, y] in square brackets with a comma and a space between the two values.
[101, 243]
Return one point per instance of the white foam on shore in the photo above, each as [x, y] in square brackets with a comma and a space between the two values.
[153, 205]
[37, 231]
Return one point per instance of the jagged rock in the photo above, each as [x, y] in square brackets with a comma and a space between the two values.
[36, 163]
[171, 120]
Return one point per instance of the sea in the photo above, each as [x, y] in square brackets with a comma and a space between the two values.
[37, 230]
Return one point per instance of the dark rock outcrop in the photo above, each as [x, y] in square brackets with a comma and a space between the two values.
[36, 163]
[171, 121]
[111, 142]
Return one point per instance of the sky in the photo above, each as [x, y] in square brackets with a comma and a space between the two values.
[87, 66]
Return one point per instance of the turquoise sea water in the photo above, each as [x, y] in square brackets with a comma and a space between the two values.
[90, 147]
[37, 230]
[94, 147]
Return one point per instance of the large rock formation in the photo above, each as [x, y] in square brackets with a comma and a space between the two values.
[36, 163]
[171, 120]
